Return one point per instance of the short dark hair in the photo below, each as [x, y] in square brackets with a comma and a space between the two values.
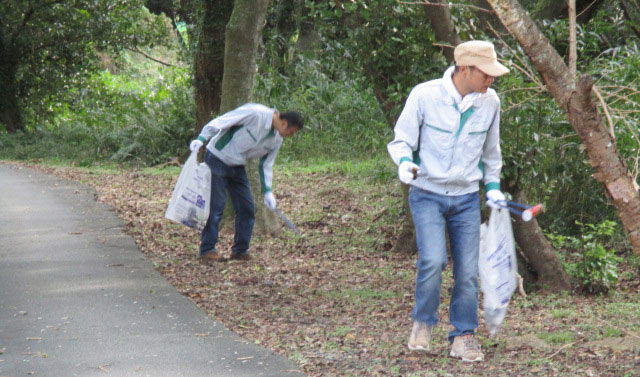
[294, 119]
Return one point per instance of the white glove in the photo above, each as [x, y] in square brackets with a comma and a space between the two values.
[495, 199]
[195, 145]
[407, 171]
[270, 200]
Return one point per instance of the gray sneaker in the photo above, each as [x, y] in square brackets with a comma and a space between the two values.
[467, 348]
[420, 337]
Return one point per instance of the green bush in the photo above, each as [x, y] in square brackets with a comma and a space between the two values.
[592, 263]
[343, 120]
[143, 115]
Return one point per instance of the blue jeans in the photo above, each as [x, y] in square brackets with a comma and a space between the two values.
[233, 179]
[461, 217]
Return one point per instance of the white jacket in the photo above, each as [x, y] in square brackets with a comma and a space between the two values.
[454, 153]
[243, 134]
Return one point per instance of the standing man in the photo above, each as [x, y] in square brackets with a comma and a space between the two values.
[446, 142]
[250, 131]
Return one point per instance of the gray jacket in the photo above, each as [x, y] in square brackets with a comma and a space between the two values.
[243, 134]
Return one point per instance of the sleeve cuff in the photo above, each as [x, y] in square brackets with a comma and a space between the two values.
[492, 186]
[202, 139]
[403, 159]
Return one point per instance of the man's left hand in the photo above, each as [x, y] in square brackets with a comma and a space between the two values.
[495, 199]
[270, 200]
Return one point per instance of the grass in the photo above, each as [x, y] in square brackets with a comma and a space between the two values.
[558, 337]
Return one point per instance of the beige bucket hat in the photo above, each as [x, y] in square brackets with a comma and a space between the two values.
[480, 54]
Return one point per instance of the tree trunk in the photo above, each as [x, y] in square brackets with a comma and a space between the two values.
[442, 24]
[209, 60]
[537, 250]
[406, 241]
[243, 35]
[9, 111]
[611, 169]
[10, 115]
[488, 19]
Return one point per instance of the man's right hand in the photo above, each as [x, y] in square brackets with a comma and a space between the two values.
[407, 171]
[195, 145]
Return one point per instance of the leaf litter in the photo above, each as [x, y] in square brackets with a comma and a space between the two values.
[337, 301]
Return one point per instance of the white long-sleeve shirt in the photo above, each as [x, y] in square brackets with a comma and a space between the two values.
[242, 134]
[454, 140]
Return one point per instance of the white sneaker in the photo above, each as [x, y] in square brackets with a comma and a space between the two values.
[420, 337]
[467, 348]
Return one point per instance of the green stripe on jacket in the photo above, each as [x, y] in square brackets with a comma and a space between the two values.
[226, 138]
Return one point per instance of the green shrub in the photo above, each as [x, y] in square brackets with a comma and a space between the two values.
[343, 119]
[144, 115]
[593, 264]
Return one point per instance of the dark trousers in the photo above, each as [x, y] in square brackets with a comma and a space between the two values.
[232, 179]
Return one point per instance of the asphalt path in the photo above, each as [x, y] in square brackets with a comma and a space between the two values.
[77, 297]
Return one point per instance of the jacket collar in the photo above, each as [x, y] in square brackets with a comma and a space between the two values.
[452, 94]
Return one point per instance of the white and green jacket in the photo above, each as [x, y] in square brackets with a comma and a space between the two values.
[455, 140]
[243, 134]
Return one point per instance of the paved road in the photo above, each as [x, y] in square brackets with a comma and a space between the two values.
[77, 298]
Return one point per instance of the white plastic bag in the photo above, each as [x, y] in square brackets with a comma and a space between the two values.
[498, 267]
[189, 204]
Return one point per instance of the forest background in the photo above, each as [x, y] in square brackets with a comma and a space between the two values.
[112, 92]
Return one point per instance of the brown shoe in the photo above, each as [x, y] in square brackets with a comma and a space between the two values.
[242, 257]
[211, 256]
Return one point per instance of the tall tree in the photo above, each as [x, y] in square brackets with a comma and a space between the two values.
[9, 63]
[209, 59]
[44, 44]
[206, 21]
[243, 36]
[439, 16]
[576, 99]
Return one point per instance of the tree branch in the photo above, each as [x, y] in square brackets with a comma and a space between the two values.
[527, 73]
[606, 112]
[573, 52]
[150, 57]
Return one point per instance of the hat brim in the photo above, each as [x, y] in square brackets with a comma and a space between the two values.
[494, 69]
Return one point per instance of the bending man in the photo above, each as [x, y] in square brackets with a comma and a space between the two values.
[250, 131]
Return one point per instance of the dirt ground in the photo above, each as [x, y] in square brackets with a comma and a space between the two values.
[337, 301]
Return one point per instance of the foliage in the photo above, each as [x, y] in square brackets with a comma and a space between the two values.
[606, 30]
[342, 118]
[145, 114]
[595, 266]
[49, 46]
[542, 153]
[540, 149]
[387, 43]
[618, 77]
